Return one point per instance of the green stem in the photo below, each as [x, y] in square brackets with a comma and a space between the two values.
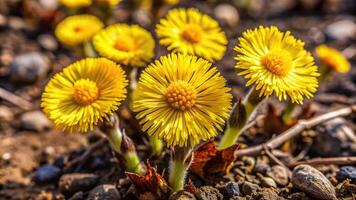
[156, 145]
[115, 138]
[287, 112]
[233, 132]
[133, 163]
[177, 174]
[88, 50]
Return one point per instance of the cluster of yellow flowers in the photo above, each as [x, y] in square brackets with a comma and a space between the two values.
[180, 98]
[85, 3]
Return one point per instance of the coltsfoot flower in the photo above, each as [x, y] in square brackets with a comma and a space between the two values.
[75, 3]
[125, 44]
[333, 58]
[77, 29]
[189, 31]
[84, 94]
[181, 99]
[109, 2]
[276, 63]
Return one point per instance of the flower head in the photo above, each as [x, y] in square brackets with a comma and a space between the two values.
[333, 58]
[77, 29]
[189, 31]
[109, 2]
[277, 63]
[84, 93]
[181, 99]
[75, 3]
[125, 44]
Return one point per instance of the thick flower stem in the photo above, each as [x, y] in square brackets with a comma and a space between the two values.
[133, 163]
[288, 112]
[156, 145]
[181, 158]
[238, 119]
[177, 175]
[88, 50]
[122, 145]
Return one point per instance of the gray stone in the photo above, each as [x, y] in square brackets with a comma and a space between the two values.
[228, 14]
[35, 120]
[72, 183]
[249, 188]
[341, 30]
[29, 67]
[230, 190]
[313, 182]
[279, 174]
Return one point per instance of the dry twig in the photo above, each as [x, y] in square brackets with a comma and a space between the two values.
[328, 161]
[295, 130]
[85, 156]
[16, 100]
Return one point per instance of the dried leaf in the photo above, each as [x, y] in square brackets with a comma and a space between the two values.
[151, 182]
[208, 160]
[190, 187]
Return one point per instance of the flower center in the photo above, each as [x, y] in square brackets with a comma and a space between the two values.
[78, 29]
[278, 62]
[125, 45]
[180, 95]
[85, 92]
[192, 33]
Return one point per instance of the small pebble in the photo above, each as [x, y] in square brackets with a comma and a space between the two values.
[47, 42]
[209, 193]
[268, 182]
[104, 192]
[347, 172]
[279, 174]
[35, 120]
[341, 30]
[6, 156]
[72, 183]
[182, 195]
[29, 67]
[47, 174]
[6, 114]
[249, 188]
[228, 14]
[313, 182]
[230, 190]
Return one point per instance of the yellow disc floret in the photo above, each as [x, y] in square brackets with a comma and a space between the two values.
[189, 31]
[84, 94]
[333, 59]
[181, 95]
[276, 62]
[85, 91]
[126, 44]
[77, 29]
[75, 3]
[181, 99]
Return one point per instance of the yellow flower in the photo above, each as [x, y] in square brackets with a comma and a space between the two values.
[110, 2]
[84, 93]
[277, 63]
[333, 58]
[181, 99]
[75, 3]
[128, 45]
[77, 29]
[189, 31]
